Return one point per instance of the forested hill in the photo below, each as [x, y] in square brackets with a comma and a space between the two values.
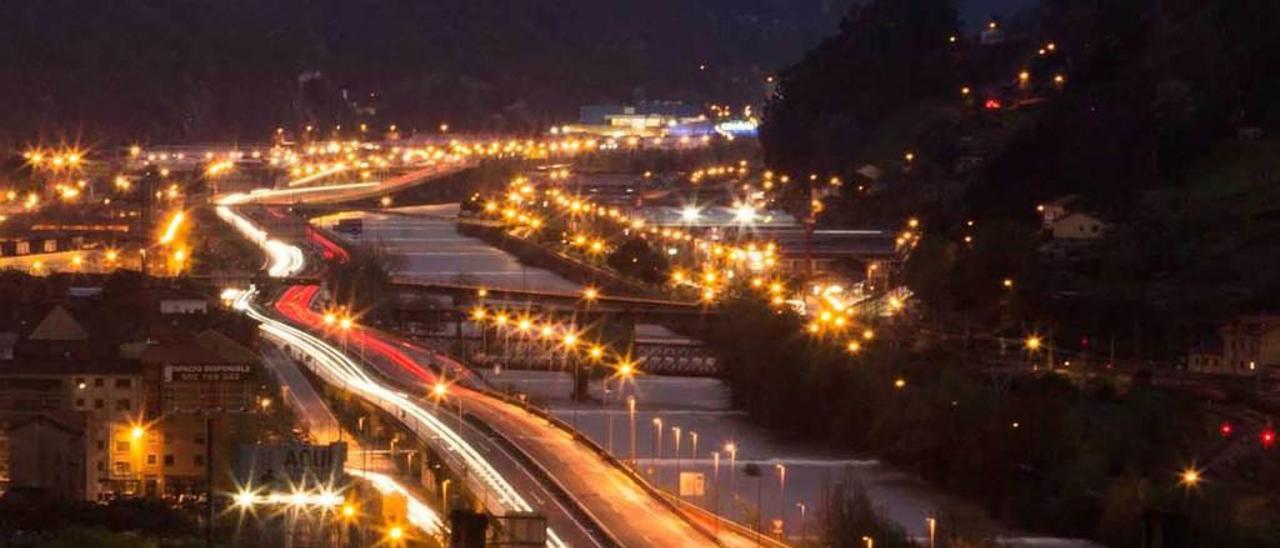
[193, 69]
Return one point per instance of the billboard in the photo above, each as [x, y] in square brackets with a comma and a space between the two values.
[207, 373]
[693, 484]
[285, 465]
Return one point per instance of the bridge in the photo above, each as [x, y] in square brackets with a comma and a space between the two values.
[475, 294]
[428, 307]
[674, 358]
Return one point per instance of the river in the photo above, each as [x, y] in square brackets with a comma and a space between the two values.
[427, 246]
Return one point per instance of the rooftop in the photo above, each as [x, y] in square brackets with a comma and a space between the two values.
[208, 347]
[58, 325]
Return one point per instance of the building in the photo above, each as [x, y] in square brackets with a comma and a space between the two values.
[1245, 346]
[1054, 210]
[207, 372]
[144, 429]
[107, 393]
[46, 455]
[1206, 357]
[644, 119]
[825, 253]
[183, 304]
[1077, 226]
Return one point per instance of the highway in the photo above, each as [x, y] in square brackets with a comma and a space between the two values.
[497, 493]
[343, 192]
[607, 493]
[324, 428]
[618, 509]
[284, 259]
[300, 396]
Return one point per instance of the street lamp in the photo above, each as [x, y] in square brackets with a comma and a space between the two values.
[1033, 343]
[871, 543]
[631, 412]
[933, 529]
[1190, 477]
[715, 486]
[732, 449]
[439, 391]
[657, 437]
[782, 492]
[676, 431]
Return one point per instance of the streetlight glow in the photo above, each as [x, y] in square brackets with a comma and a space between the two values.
[1033, 343]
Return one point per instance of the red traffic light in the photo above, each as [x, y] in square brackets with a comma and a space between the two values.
[1268, 437]
[1225, 429]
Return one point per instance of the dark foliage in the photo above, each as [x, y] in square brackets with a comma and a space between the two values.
[636, 258]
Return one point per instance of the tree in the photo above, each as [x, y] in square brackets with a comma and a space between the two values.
[637, 259]
[888, 54]
[364, 282]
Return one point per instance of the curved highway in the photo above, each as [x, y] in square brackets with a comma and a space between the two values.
[618, 509]
[607, 494]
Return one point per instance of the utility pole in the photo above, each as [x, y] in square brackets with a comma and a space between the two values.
[208, 480]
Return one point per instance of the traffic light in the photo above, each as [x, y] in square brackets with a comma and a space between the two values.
[1268, 437]
[1225, 429]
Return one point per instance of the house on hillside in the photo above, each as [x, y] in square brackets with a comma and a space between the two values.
[1061, 222]
[1077, 226]
[1055, 209]
[1245, 346]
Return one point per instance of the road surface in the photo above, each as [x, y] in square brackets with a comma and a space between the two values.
[610, 496]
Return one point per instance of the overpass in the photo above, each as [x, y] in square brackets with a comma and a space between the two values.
[600, 500]
[473, 294]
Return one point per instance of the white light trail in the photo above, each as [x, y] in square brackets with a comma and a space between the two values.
[286, 260]
[266, 193]
[171, 230]
[317, 175]
[336, 368]
[419, 514]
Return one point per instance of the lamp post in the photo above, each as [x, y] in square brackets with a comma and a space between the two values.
[676, 431]
[715, 485]
[802, 508]
[625, 370]
[657, 437]
[439, 392]
[782, 494]
[933, 529]
[732, 449]
[631, 412]
[604, 403]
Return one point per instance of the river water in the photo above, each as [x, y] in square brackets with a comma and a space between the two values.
[427, 246]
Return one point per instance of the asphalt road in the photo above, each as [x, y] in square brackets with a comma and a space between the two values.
[613, 500]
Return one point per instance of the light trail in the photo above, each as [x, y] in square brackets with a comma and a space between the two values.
[338, 369]
[171, 229]
[317, 175]
[286, 260]
[419, 514]
[266, 193]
